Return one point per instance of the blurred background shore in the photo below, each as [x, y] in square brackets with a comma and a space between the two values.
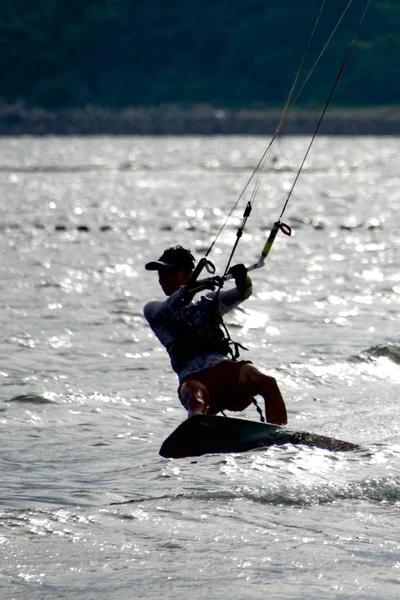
[16, 119]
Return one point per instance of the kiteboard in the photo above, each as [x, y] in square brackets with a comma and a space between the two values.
[208, 434]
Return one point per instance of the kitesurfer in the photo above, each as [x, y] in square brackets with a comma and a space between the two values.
[210, 378]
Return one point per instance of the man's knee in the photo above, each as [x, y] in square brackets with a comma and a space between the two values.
[193, 396]
[192, 389]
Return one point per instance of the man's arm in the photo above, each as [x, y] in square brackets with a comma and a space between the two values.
[156, 309]
[227, 300]
[230, 299]
[242, 281]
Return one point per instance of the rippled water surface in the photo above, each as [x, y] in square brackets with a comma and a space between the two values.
[88, 509]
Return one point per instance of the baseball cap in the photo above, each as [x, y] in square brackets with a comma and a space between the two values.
[173, 258]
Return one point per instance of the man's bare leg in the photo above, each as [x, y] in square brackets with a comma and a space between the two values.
[194, 397]
[257, 383]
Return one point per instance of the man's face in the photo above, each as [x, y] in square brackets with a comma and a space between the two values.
[171, 280]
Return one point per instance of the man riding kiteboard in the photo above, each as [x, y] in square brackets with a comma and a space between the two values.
[211, 379]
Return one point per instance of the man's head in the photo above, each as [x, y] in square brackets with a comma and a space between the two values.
[174, 268]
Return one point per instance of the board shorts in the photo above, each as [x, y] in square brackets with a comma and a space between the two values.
[222, 383]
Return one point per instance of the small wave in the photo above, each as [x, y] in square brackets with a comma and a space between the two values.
[52, 168]
[390, 351]
[57, 227]
[30, 399]
[385, 489]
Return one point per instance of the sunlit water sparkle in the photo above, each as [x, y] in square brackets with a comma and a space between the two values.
[89, 509]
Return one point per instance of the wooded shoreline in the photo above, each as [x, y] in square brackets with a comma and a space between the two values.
[17, 120]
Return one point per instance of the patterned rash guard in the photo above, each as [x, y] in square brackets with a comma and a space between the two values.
[190, 333]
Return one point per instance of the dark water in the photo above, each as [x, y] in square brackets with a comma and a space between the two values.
[88, 508]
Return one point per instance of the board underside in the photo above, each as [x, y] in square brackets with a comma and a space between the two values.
[207, 434]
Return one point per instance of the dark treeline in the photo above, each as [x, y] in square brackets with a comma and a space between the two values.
[234, 53]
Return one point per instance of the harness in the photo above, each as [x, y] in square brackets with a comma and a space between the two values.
[198, 329]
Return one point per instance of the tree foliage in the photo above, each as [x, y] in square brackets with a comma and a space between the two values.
[237, 53]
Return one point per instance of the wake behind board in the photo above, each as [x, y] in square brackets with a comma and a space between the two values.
[207, 434]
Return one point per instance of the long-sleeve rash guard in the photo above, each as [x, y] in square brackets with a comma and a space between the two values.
[165, 320]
